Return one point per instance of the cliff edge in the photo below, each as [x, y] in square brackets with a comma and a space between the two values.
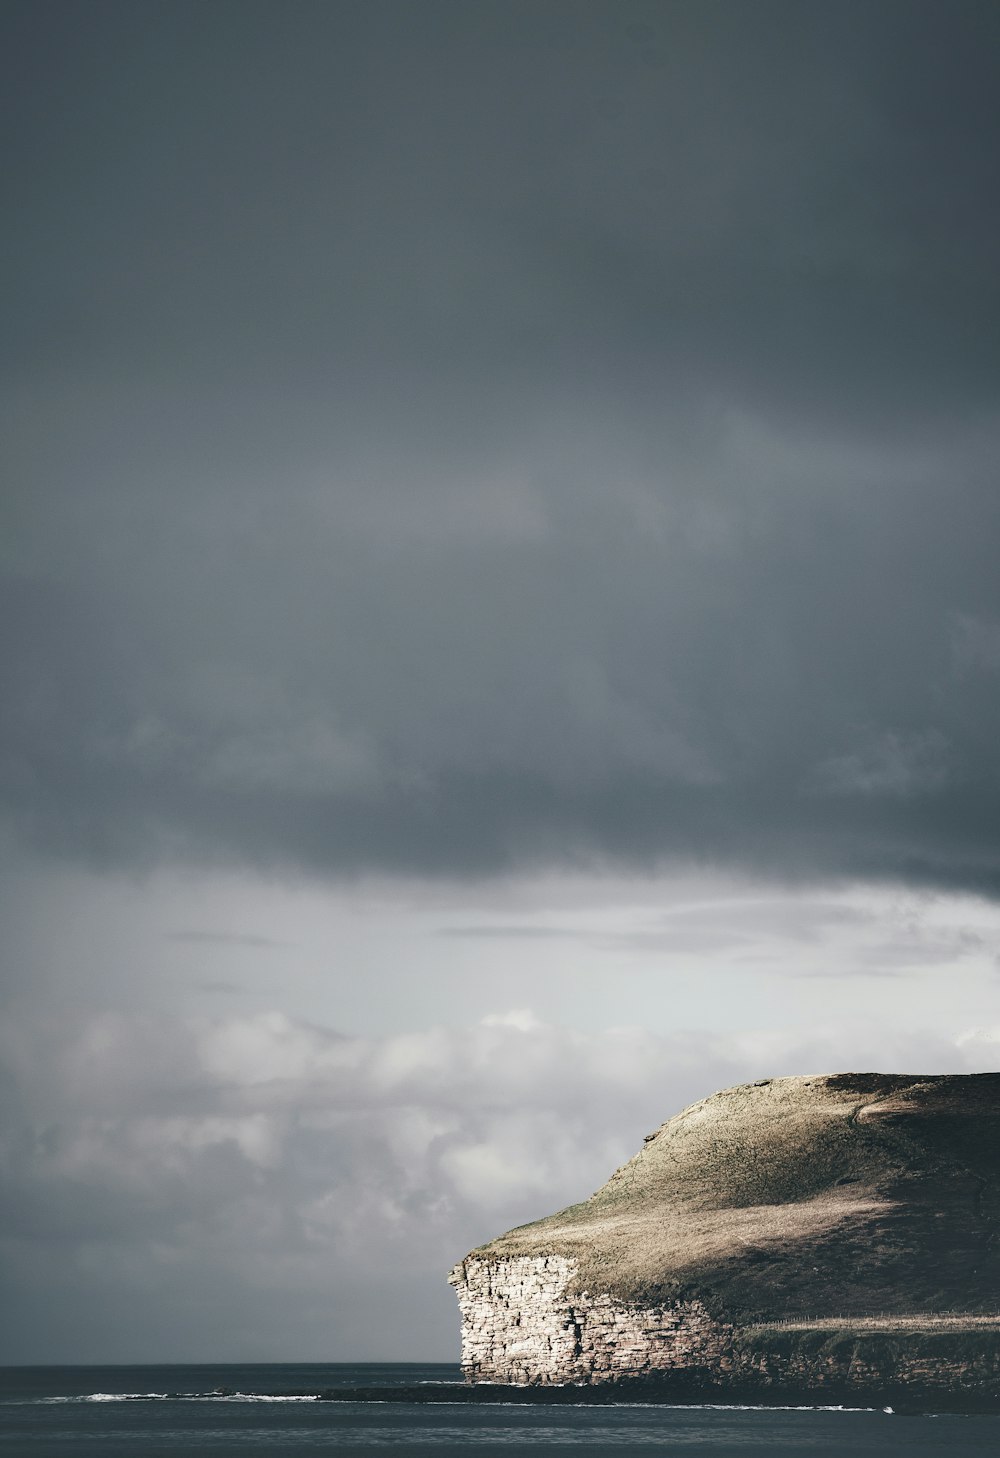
[815, 1231]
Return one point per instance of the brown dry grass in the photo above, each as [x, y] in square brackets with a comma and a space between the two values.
[628, 1242]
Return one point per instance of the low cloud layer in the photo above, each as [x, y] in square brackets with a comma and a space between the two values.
[458, 439]
[257, 1187]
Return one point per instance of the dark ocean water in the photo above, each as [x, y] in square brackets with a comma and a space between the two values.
[70, 1412]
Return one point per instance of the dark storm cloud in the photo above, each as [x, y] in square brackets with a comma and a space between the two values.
[441, 437]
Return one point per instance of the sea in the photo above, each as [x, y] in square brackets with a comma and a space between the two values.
[290, 1411]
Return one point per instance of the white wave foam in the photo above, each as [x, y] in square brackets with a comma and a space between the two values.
[114, 1397]
[188, 1397]
[257, 1397]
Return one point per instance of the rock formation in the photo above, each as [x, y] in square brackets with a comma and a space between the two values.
[837, 1232]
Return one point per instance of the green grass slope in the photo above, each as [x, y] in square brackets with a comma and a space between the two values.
[836, 1195]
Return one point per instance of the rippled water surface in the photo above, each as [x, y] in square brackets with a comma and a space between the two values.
[216, 1410]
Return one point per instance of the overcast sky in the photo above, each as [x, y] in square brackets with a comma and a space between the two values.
[500, 622]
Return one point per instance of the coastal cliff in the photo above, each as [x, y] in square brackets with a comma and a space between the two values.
[835, 1232]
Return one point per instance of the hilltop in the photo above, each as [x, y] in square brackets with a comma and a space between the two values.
[842, 1195]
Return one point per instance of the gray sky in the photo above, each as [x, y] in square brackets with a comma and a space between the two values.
[501, 624]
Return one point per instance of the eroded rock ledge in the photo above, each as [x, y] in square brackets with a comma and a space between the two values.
[521, 1325]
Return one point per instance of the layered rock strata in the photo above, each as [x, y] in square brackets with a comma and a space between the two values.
[868, 1203]
[521, 1324]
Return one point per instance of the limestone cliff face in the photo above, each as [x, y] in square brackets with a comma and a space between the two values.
[828, 1200]
[522, 1324]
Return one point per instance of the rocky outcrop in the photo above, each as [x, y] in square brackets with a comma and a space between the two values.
[522, 1324]
[959, 1359]
[831, 1200]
